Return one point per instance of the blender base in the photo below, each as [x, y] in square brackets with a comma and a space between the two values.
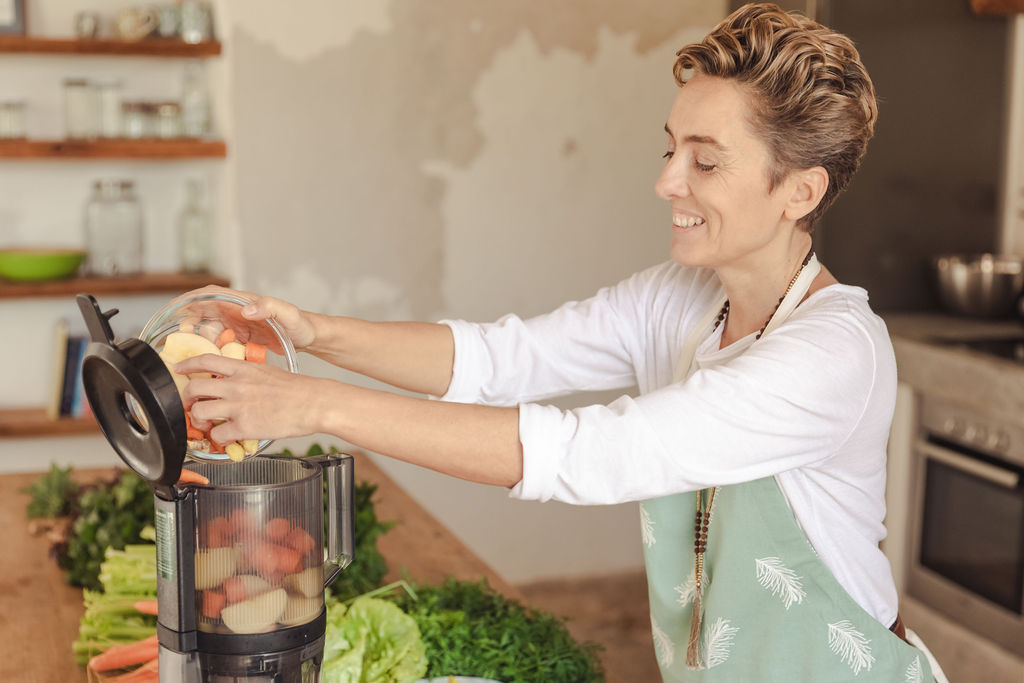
[298, 665]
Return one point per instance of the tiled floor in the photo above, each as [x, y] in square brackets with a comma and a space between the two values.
[612, 611]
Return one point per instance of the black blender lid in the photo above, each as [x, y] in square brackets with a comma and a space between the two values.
[134, 399]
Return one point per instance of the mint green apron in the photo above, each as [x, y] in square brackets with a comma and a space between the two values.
[772, 610]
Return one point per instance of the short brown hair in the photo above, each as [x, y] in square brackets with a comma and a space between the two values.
[813, 102]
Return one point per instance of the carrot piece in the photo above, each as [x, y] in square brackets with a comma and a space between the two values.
[193, 433]
[299, 539]
[218, 532]
[277, 528]
[128, 654]
[190, 477]
[243, 522]
[146, 606]
[227, 335]
[288, 561]
[255, 353]
[234, 590]
[213, 603]
[147, 673]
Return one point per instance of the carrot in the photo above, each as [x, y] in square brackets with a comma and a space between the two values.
[146, 606]
[272, 561]
[190, 477]
[128, 654]
[218, 532]
[243, 522]
[256, 353]
[228, 335]
[234, 590]
[213, 603]
[277, 528]
[288, 561]
[191, 432]
[299, 539]
[147, 673]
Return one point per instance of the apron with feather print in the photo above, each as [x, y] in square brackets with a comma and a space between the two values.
[773, 612]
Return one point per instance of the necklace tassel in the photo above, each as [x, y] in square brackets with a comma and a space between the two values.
[693, 646]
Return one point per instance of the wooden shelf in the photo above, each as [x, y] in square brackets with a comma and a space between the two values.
[114, 148]
[147, 283]
[32, 422]
[149, 47]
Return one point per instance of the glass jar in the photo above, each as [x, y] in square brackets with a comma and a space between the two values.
[12, 120]
[82, 109]
[194, 238]
[110, 109]
[195, 21]
[196, 112]
[113, 229]
[168, 120]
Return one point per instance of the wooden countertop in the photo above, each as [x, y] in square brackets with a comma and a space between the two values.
[39, 612]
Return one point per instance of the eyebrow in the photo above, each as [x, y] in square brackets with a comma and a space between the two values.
[700, 139]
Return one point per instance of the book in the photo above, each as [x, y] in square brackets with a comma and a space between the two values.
[72, 371]
[78, 399]
[59, 354]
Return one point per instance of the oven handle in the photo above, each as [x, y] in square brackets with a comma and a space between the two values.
[993, 473]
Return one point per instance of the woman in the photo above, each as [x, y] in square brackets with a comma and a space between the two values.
[757, 444]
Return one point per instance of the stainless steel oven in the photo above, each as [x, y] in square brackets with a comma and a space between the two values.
[967, 521]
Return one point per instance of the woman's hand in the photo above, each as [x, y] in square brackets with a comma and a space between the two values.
[252, 400]
[296, 323]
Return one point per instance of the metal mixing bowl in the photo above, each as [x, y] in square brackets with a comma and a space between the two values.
[979, 285]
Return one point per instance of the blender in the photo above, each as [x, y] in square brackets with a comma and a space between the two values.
[241, 563]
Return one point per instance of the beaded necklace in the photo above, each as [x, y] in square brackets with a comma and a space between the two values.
[703, 516]
[725, 307]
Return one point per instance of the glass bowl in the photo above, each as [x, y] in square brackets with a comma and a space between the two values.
[208, 316]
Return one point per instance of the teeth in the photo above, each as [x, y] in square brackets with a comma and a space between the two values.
[686, 221]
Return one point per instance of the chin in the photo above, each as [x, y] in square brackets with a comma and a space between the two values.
[687, 255]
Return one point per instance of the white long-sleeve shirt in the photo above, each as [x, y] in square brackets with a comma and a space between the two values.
[810, 403]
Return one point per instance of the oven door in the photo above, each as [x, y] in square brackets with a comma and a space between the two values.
[968, 539]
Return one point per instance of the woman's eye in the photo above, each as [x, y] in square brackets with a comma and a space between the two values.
[706, 168]
[667, 155]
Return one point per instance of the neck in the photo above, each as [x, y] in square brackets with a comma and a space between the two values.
[754, 290]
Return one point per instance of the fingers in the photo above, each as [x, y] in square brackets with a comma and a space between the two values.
[211, 363]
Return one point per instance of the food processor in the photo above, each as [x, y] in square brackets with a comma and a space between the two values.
[241, 563]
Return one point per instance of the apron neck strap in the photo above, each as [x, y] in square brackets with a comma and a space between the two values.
[788, 304]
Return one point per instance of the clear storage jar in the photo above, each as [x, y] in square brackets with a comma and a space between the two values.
[82, 109]
[113, 229]
[12, 120]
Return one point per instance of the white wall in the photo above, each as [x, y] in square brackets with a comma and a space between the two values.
[407, 159]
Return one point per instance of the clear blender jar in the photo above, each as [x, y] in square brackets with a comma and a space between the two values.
[243, 558]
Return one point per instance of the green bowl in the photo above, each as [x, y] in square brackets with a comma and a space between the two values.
[36, 265]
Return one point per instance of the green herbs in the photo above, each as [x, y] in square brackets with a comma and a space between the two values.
[111, 515]
[472, 630]
[52, 494]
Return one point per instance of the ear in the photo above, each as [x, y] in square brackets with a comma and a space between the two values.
[808, 187]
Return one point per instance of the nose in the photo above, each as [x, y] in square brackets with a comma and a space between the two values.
[672, 182]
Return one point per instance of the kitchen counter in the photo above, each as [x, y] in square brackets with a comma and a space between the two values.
[39, 612]
[930, 361]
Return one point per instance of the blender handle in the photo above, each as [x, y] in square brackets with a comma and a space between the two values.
[339, 473]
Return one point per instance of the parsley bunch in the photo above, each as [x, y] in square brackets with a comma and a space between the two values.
[472, 630]
[110, 515]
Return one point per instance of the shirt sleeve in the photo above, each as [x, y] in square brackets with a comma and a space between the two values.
[789, 401]
[581, 346]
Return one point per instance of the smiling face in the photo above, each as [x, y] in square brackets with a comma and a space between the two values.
[715, 180]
